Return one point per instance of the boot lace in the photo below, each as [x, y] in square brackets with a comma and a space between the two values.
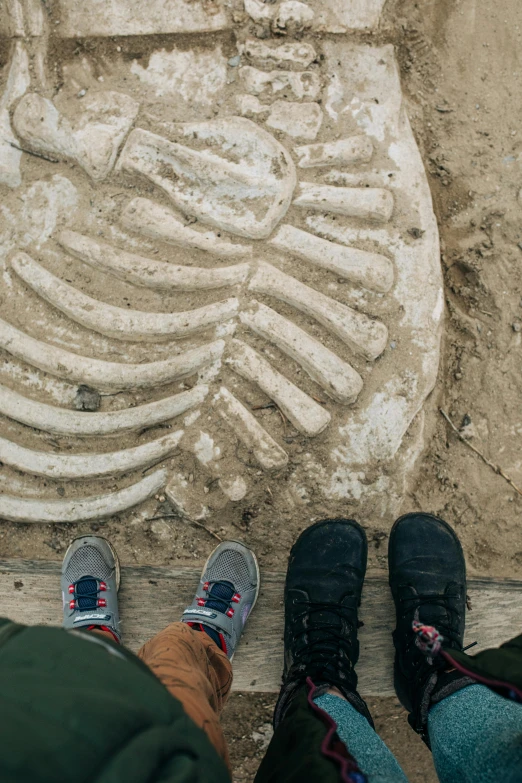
[221, 595]
[445, 627]
[329, 644]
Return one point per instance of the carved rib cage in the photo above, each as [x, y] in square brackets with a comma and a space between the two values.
[204, 289]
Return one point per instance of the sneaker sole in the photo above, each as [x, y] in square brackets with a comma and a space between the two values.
[117, 568]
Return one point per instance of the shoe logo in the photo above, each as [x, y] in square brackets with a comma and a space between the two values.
[84, 617]
[204, 612]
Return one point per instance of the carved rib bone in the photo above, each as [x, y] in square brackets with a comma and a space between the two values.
[337, 378]
[375, 204]
[306, 415]
[42, 511]
[266, 451]
[110, 376]
[49, 418]
[134, 325]
[143, 271]
[86, 466]
[357, 149]
[157, 222]
[371, 270]
[364, 335]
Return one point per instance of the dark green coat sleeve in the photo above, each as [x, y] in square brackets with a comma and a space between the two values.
[499, 668]
[75, 709]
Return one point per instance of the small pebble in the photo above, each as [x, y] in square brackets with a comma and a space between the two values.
[393, 345]
[234, 61]
[516, 327]
[118, 48]
[87, 399]
[81, 93]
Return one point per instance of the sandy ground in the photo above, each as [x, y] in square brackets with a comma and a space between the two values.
[462, 70]
[461, 65]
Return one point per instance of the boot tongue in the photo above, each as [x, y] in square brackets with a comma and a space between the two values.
[219, 599]
[434, 611]
[220, 596]
[434, 614]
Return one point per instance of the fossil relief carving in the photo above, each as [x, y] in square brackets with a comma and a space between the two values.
[248, 283]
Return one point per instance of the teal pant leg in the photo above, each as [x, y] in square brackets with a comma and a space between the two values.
[372, 755]
[476, 737]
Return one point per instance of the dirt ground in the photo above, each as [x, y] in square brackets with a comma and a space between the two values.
[462, 69]
[461, 63]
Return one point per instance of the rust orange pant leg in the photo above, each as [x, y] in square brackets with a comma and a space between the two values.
[196, 672]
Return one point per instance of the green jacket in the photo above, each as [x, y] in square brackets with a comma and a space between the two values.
[80, 709]
[499, 668]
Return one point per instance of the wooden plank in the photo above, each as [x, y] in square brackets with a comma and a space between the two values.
[150, 598]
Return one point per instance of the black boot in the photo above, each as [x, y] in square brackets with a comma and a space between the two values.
[322, 595]
[428, 584]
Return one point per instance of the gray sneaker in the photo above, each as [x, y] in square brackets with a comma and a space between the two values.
[226, 595]
[90, 583]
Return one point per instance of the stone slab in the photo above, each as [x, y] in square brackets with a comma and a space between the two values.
[323, 16]
[340, 208]
[342, 16]
[107, 18]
